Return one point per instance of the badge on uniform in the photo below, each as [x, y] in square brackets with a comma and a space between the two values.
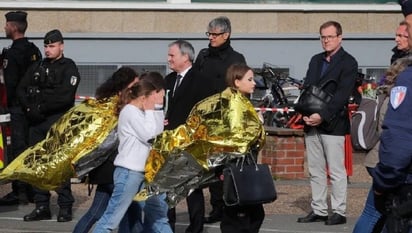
[5, 62]
[397, 96]
[73, 80]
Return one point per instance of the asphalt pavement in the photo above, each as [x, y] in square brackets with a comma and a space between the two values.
[11, 221]
[293, 202]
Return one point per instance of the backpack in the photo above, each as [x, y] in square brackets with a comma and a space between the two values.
[365, 123]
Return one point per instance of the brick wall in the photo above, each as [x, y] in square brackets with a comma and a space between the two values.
[285, 152]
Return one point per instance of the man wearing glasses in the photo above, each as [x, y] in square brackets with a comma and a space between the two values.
[402, 45]
[215, 59]
[325, 130]
[213, 62]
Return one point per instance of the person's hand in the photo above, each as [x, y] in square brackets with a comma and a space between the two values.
[34, 115]
[313, 120]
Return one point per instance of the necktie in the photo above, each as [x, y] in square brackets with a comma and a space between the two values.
[177, 83]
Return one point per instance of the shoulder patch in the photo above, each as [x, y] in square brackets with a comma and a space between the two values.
[73, 80]
[397, 96]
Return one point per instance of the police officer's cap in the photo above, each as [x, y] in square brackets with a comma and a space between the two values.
[16, 16]
[53, 36]
[406, 7]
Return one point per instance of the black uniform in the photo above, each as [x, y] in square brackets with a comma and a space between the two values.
[16, 61]
[46, 92]
[213, 63]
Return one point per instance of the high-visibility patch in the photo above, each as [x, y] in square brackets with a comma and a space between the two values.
[73, 80]
[397, 96]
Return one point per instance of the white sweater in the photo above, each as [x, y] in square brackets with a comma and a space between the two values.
[135, 128]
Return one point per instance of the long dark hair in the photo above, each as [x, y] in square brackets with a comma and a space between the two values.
[116, 83]
[148, 82]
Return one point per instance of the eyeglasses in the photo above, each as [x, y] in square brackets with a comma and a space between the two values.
[401, 36]
[327, 38]
[214, 35]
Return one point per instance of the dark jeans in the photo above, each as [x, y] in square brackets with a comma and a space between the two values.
[96, 210]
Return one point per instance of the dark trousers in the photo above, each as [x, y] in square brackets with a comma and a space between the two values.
[196, 207]
[19, 143]
[242, 219]
[216, 196]
[65, 198]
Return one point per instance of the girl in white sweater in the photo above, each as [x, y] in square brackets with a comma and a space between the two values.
[138, 123]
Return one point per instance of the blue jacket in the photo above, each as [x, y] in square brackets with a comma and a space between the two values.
[395, 151]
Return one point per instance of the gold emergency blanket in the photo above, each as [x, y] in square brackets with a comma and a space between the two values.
[77, 133]
[220, 128]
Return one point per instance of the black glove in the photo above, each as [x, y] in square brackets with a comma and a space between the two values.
[380, 202]
[34, 115]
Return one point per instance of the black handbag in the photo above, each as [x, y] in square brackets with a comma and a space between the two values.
[313, 99]
[247, 183]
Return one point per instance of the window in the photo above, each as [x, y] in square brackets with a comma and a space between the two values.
[92, 75]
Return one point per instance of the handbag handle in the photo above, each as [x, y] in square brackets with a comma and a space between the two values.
[246, 158]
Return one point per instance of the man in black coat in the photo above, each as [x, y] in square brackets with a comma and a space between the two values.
[325, 130]
[185, 87]
[16, 60]
[213, 62]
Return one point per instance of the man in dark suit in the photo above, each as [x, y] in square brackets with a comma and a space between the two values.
[325, 130]
[184, 88]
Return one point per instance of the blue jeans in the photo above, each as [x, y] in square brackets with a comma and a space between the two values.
[155, 215]
[370, 216]
[126, 184]
[96, 210]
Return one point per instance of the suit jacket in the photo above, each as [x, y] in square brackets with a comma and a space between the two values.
[193, 88]
[343, 70]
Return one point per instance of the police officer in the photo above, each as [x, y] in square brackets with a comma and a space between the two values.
[46, 92]
[16, 60]
[392, 181]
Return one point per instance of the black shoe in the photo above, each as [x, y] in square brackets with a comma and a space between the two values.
[336, 219]
[40, 213]
[65, 215]
[312, 217]
[9, 199]
[215, 216]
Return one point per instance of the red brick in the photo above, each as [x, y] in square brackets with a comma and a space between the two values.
[294, 169]
[267, 160]
[278, 169]
[287, 146]
[295, 154]
[284, 161]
